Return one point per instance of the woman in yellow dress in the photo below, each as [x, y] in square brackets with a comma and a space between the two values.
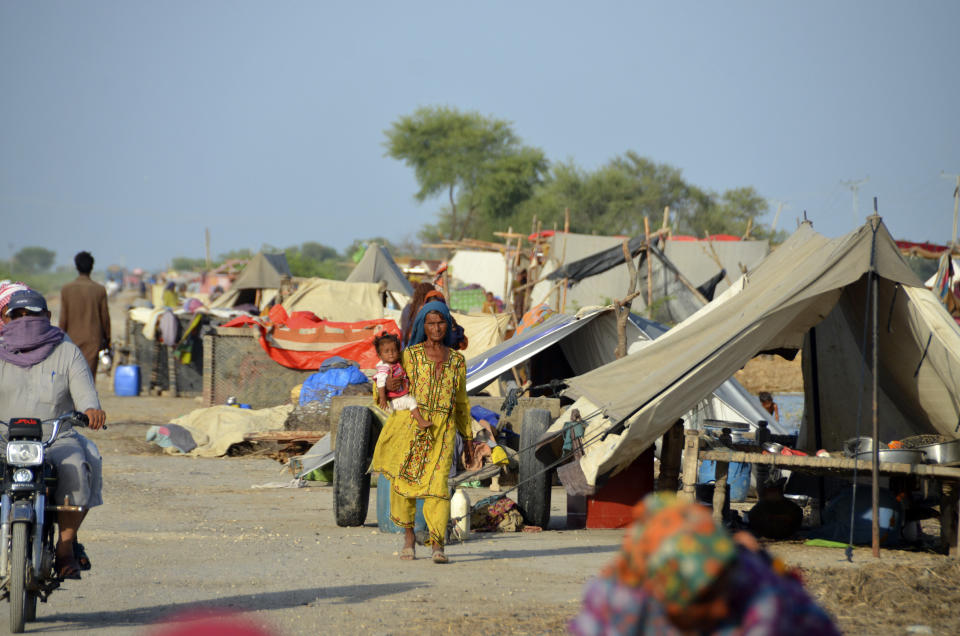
[417, 460]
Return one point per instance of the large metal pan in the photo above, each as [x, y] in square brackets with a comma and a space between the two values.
[895, 456]
[944, 453]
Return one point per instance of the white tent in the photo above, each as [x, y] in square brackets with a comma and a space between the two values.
[809, 281]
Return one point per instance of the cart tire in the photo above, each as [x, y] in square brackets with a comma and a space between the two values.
[534, 480]
[351, 481]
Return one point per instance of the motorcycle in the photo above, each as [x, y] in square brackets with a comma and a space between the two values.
[28, 524]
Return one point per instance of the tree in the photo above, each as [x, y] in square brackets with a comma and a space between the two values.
[187, 264]
[315, 260]
[477, 161]
[615, 198]
[33, 259]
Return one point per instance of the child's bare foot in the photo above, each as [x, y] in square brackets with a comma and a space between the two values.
[422, 423]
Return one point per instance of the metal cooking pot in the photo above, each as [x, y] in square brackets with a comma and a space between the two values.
[857, 445]
[943, 453]
[895, 455]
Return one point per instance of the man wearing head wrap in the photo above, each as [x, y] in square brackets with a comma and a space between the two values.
[417, 460]
[6, 291]
[680, 572]
[44, 375]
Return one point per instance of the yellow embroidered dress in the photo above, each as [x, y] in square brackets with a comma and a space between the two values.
[417, 462]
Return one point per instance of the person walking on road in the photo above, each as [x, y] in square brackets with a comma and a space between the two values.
[417, 460]
[84, 315]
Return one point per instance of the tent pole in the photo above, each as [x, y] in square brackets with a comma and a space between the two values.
[817, 429]
[646, 230]
[875, 481]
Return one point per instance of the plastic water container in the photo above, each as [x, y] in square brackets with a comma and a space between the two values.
[738, 477]
[126, 380]
[383, 510]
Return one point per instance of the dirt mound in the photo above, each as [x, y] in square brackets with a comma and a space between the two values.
[886, 598]
[771, 373]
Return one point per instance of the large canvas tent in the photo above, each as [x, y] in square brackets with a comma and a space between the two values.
[378, 266]
[337, 300]
[587, 341]
[808, 282]
[700, 263]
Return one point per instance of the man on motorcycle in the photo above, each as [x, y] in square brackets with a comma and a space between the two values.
[44, 375]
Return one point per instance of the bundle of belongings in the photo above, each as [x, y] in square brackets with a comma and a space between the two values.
[496, 514]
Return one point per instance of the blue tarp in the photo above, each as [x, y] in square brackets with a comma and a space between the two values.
[328, 382]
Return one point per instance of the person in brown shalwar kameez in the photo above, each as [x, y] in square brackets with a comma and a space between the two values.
[83, 312]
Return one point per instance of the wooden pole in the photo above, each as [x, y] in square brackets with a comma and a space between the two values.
[956, 208]
[817, 428]
[646, 234]
[691, 449]
[622, 307]
[206, 240]
[875, 481]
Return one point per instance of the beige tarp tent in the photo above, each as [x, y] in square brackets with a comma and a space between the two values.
[264, 272]
[809, 281]
[483, 331]
[477, 267]
[377, 265]
[337, 300]
[698, 261]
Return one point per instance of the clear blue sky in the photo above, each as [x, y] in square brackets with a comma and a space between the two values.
[128, 127]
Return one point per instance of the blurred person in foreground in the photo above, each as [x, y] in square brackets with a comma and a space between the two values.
[44, 375]
[679, 572]
[84, 314]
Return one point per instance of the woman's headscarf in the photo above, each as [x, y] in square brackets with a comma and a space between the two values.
[674, 550]
[7, 290]
[417, 334]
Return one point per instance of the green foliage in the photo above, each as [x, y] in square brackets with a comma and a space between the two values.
[477, 161]
[241, 254]
[187, 264]
[359, 247]
[614, 199]
[33, 260]
[314, 260]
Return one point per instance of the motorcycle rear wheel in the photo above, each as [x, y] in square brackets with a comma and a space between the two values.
[18, 578]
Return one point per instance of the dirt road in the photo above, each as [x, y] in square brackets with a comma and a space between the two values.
[181, 535]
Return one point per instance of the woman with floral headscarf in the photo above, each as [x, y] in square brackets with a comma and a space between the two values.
[417, 460]
[680, 572]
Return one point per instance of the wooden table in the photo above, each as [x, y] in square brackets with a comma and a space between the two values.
[947, 477]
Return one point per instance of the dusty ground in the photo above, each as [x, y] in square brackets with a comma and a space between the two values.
[773, 374]
[180, 535]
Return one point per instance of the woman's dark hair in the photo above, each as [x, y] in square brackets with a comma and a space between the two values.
[765, 396]
[420, 292]
[84, 262]
[379, 340]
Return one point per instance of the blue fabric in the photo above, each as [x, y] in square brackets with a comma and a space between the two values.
[335, 362]
[417, 334]
[323, 385]
[480, 413]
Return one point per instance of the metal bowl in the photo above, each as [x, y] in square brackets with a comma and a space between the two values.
[895, 456]
[772, 447]
[944, 453]
[858, 445]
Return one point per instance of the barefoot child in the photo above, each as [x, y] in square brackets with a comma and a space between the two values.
[388, 348]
